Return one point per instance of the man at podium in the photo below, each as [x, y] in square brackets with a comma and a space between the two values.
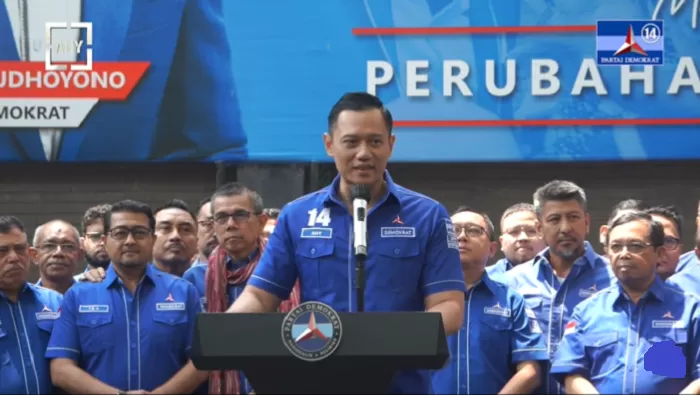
[412, 262]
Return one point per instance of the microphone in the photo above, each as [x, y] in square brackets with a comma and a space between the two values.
[360, 197]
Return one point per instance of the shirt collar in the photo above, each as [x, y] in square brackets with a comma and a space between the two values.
[486, 282]
[241, 262]
[111, 276]
[589, 256]
[26, 288]
[38, 283]
[330, 193]
[656, 290]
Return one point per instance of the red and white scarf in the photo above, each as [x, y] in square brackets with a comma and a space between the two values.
[218, 278]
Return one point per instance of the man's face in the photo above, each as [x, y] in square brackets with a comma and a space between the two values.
[520, 240]
[14, 259]
[603, 232]
[94, 246]
[176, 237]
[475, 248]
[129, 241]
[564, 226]
[57, 252]
[236, 224]
[206, 239]
[632, 257]
[360, 146]
[673, 248]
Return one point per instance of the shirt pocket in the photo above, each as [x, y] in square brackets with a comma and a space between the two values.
[495, 334]
[318, 267]
[170, 328]
[96, 332]
[45, 328]
[398, 267]
[602, 350]
[10, 380]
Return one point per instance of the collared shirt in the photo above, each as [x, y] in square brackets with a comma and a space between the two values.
[128, 341]
[609, 336]
[553, 301]
[687, 280]
[500, 267]
[38, 283]
[687, 260]
[25, 328]
[412, 254]
[496, 335]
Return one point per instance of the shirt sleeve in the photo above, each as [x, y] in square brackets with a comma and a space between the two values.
[194, 307]
[526, 341]
[65, 341]
[570, 357]
[442, 270]
[277, 271]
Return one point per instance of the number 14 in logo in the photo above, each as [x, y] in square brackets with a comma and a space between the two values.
[323, 218]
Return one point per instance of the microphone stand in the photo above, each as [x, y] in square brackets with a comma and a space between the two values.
[360, 280]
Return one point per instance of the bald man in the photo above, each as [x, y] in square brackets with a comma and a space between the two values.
[56, 250]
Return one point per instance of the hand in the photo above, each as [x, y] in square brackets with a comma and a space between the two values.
[94, 275]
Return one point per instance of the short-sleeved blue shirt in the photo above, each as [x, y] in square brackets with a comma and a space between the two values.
[553, 301]
[609, 335]
[129, 341]
[496, 335]
[412, 253]
[25, 328]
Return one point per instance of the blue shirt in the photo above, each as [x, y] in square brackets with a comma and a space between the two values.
[552, 301]
[128, 341]
[609, 335]
[687, 260]
[25, 328]
[412, 253]
[499, 268]
[496, 335]
[687, 280]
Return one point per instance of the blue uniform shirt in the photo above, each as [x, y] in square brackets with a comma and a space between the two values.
[128, 341]
[496, 335]
[25, 328]
[687, 260]
[687, 280]
[412, 253]
[499, 268]
[609, 335]
[552, 301]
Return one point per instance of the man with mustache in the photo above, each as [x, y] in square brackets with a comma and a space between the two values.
[27, 314]
[56, 250]
[176, 238]
[566, 272]
[131, 332]
[608, 340]
[519, 238]
[497, 340]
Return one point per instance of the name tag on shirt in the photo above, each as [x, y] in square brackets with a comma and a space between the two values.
[170, 306]
[93, 308]
[399, 231]
[47, 315]
[316, 233]
[497, 310]
[666, 324]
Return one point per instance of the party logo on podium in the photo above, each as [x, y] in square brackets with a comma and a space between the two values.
[312, 331]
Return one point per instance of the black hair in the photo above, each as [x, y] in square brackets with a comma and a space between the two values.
[359, 101]
[671, 213]
[9, 222]
[559, 191]
[129, 206]
[237, 189]
[625, 205]
[656, 230]
[489, 224]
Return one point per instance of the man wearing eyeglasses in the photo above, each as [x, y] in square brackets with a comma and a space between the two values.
[56, 250]
[638, 336]
[495, 316]
[520, 240]
[672, 222]
[131, 332]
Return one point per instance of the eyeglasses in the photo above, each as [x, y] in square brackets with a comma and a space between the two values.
[121, 234]
[671, 243]
[473, 231]
[206, 224]
[633, 248]
[53, 247]
[94, 237]
[239, 217]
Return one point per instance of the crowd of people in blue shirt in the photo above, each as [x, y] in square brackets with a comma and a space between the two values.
[553, 316]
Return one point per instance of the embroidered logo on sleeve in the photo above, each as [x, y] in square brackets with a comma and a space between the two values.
[451, 235]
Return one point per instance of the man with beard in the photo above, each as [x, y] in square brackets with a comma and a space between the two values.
[496, 316]
[176, 238]
[92, 240]
[567, 271]
[611, 337]
[27, 314]
[134, 330]
[519, 238]
[56, 250]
